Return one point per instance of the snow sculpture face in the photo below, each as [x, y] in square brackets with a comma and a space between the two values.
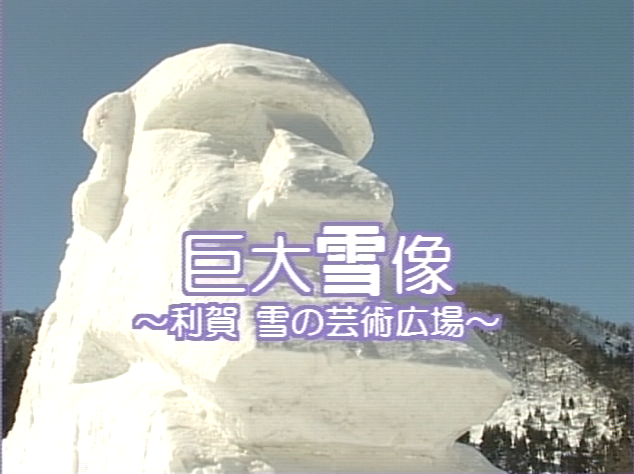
[220, 138]
[98, 202]
[285, 135]
[225, 138]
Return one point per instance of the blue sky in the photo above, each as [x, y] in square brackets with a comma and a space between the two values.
[505, 125]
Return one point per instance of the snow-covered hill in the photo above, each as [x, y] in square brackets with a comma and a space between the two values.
[575, 322]
[543, 378]
[570, 410]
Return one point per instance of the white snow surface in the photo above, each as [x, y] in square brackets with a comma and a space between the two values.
[231, 137]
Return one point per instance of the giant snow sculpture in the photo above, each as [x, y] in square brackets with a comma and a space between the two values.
[230, 137]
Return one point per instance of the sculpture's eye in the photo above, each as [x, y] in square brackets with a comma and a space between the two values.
[102, 120]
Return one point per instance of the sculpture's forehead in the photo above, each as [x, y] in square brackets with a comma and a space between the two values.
[214, 59]
[205, 67]
[204, 76]
[266, 77]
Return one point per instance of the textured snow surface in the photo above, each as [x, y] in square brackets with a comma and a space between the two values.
[231, 138]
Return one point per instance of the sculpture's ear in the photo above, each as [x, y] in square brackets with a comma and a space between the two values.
[109, 130]
[97, 206]
[110, 120]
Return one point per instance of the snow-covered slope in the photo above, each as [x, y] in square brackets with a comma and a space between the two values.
[231, 138]
[542, 377]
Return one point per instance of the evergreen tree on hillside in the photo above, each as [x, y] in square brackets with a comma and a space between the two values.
[582, 459]
[519, 462]
[589, 431]
[496, 445]
[600, 452]
[549, 453]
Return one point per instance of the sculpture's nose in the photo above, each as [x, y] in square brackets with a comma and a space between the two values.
[313, 185]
